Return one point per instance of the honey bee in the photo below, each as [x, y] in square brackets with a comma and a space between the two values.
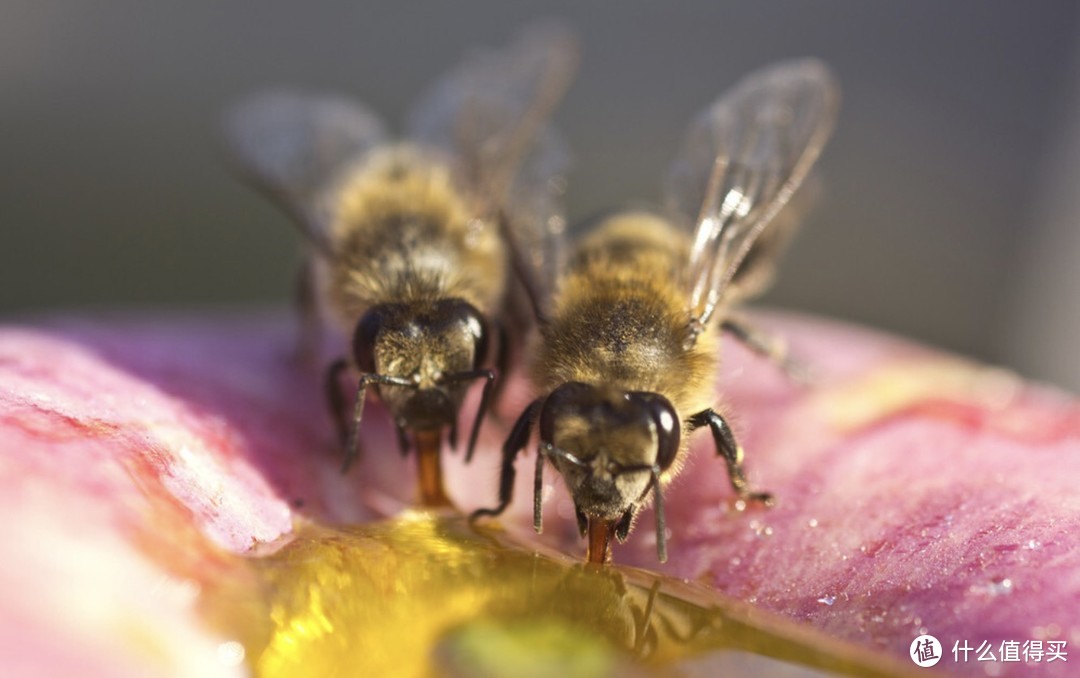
[629, 339]
[404, 244]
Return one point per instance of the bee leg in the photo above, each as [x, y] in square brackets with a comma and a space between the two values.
[643, 632]
[485, 404]
[402, 439]
[538, 494]
[519, 437]
[502, 363]
[310, 334]
[336, 399]
[522, 271]
[451, 436]
[731, 452]
[352, 436]
[769, 347]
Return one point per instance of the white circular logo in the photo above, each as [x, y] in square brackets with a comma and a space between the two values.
[925, 651]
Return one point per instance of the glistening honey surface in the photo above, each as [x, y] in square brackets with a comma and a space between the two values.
[427, 595]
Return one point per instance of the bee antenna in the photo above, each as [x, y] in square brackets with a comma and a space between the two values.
[485, 403]
[538, 487]
[661, 525]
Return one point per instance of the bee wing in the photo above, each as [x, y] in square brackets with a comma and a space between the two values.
[291, 145]
[756, 271]
[491, 114]
[741, 161]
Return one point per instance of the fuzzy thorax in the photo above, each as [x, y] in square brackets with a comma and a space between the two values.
[620, 319]
[404, 229]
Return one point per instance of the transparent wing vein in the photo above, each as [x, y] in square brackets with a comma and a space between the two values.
[741, 161]
[491, 114]
[292, 145]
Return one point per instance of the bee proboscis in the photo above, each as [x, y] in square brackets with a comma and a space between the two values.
[404, 238]
[628, 355]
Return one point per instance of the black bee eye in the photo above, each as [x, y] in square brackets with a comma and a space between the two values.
[566, 398]
[458, 311]
[668, 426]
[477, 326]
[669, 432]
[367, 331]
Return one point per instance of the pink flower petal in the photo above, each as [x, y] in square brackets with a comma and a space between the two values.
[916, 491]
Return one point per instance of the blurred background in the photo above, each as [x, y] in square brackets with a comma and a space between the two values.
[951, 203]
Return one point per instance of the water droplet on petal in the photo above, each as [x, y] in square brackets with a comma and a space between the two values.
[760, 528]
[995, 587]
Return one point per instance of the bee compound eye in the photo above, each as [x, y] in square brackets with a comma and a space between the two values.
[565, 399]
[668, 426]
[477, 326]
[669, 435]
[367, 333]
[450, 314]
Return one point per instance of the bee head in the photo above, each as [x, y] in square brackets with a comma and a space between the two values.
[609, 445]
[434, 345]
